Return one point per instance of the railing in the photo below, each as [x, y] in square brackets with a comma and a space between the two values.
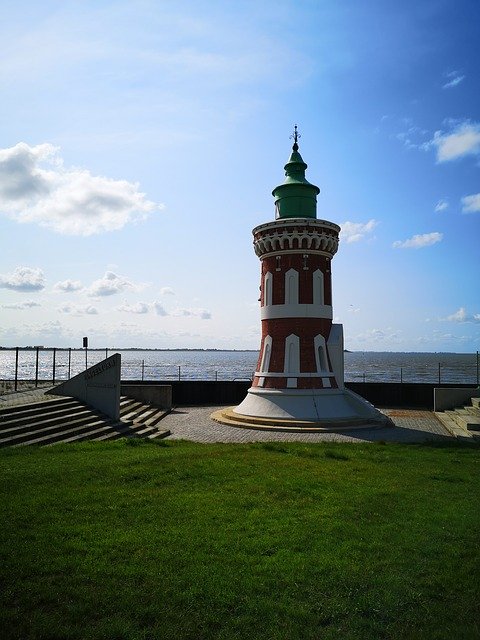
[32, 367]
[40, 366]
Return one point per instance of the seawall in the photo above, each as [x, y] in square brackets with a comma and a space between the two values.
[381, 394]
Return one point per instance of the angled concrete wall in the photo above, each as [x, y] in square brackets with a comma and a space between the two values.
[158, 395]
[453, 397]
[98, 386]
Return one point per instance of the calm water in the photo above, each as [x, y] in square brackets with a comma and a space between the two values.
[239, 365]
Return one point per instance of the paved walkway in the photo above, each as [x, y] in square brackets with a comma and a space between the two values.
[194, 423]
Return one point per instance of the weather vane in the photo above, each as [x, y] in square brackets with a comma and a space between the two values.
[295, 136]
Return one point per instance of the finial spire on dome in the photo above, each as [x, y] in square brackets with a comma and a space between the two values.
[295, 136]
[296, 197]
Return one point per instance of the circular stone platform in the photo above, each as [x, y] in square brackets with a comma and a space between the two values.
[230, 417]
[303, 410]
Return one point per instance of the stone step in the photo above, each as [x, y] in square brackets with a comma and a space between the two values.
[141, 414]
[472, 422]
[57, 434]
[467, 418]
[451, 425]
[462, 411]
[137, 411]
[62, 415]
[476, 403]
[154, 419]
[229, 417]
[160, 433]
[69, 420]
[132, 431]
[91, 434]
[143, 431]
[453, 415]
[126, 402]
[146, 412]
[150, 415]
[6, 413]
[112, 431]
[45, 422]
[130, 410]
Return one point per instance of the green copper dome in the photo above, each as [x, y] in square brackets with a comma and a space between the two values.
[296, 197]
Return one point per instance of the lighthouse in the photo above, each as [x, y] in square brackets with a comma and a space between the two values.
[299, 379]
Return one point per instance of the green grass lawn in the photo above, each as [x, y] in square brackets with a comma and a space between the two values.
[138, 540]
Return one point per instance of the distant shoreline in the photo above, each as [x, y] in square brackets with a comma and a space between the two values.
[43, 348]
[199, 350]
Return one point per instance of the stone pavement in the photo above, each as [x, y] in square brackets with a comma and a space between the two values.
[24, 397]
[194, 423]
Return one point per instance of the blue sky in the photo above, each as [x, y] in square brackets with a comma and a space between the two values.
[140, 142]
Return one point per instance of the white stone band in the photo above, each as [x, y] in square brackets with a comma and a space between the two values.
[293, 374]
[274, 311]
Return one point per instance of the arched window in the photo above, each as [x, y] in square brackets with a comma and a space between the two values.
[318, 295]
[321, 354]
[267, 288]
[292, 354]
[267, 352]
[291, 287]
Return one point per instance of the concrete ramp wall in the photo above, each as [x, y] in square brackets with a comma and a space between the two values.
[453, 397]
[158, 395]
[98, 386]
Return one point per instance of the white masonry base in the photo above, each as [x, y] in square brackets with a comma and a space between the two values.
[310, 409]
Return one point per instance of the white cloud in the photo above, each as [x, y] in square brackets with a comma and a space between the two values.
[139, 308]
[182, 313]
[35, 187]
[200, 313]
[406, 137]
[28, 304]
[454, 79]
[441, 206]
[462, 316]
[463, 140]
[167, 291]
[78, 310]
[471, 204]
[159, 310]
[110, 284]
[378, 335]
[67, 286]
[23, 279]
[355, 231]
[419, 241]
[51, 330]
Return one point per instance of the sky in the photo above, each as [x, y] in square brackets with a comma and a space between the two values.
[140, 142]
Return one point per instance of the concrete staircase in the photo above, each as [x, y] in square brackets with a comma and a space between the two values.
[61, 419]
[463, 422]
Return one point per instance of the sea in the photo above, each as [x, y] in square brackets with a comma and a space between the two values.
[368, 366]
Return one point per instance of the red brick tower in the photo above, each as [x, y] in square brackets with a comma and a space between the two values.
[299, 381]
[296, 305]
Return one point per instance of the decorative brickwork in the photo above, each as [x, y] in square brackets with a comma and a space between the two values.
[295, 276]
[296, 234]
